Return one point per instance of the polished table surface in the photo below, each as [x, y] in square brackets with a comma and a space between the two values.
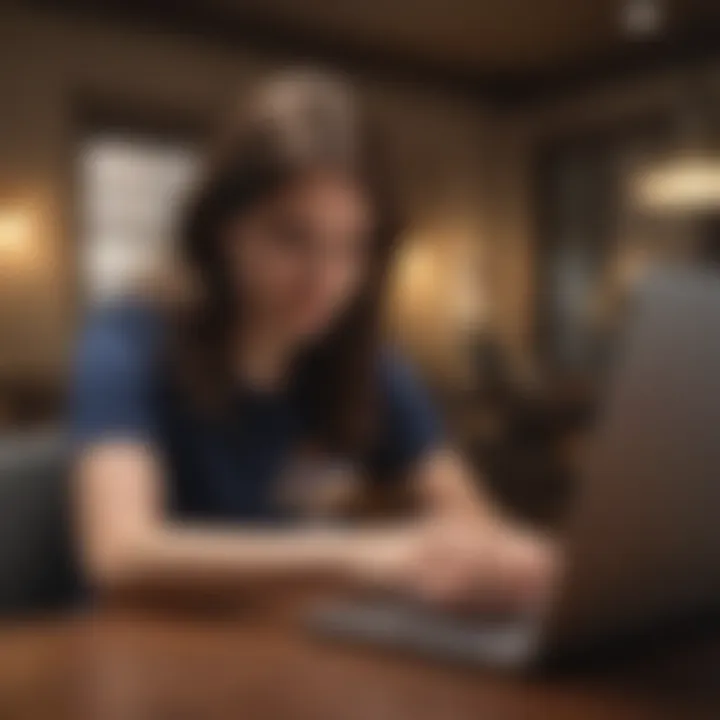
[151, 666]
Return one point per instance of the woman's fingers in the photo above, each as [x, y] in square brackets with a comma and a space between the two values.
[471, 566]
[460, 566]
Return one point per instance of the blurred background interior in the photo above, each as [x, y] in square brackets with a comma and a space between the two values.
[551, 152]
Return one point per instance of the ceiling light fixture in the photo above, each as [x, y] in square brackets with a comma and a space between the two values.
[686, 178]
[642, 19]
[683, 185]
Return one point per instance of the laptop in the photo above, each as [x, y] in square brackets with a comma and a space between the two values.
[642, 540]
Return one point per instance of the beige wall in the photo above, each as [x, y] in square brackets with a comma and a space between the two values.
[47, 63]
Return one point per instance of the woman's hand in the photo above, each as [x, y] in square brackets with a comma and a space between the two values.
[481, 566]
[463, 565]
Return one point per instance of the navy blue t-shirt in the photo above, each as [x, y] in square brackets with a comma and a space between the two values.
[221, 468]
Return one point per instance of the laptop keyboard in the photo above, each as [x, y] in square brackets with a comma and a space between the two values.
[495, 640]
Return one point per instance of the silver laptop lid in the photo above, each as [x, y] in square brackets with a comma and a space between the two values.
[644, 536]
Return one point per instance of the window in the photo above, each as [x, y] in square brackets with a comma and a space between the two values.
[594, 242]
[131, 189]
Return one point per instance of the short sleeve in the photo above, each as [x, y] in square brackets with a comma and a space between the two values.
[112, 385]
[408, 427]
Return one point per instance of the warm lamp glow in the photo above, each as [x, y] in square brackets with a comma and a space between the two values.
[15, 232]
[419, 268]
[684, 185]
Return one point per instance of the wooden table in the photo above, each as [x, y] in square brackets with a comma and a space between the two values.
[133, 667]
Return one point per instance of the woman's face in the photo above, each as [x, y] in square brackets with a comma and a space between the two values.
[299, 258]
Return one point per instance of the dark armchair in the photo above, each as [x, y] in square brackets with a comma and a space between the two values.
[36, 559]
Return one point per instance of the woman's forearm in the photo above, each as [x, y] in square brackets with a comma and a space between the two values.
[171, 556]
[127, 540]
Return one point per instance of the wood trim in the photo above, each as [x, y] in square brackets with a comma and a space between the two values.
[693, 43]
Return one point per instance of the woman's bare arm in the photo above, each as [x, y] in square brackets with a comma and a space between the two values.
[127, 540]
[469, 555]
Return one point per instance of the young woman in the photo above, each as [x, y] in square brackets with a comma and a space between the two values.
[189, 415]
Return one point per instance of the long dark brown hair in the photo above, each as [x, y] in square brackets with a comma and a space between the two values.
[285, 128]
